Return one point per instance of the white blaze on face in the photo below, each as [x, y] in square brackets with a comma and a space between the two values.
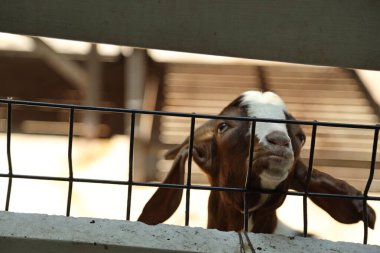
[265, 105]
[270, 106]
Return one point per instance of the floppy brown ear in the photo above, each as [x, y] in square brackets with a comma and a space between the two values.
[165, 201]
[202, 134]
[343, 210]
[172, 153]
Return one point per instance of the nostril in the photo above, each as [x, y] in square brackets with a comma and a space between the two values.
[278, 138]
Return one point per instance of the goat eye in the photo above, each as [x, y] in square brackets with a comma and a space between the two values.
[302, 138]
[222, 127]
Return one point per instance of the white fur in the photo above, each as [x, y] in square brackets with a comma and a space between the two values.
[250, 224]
[265, 105]
[268, 185]
[283, 229]
[262, 200]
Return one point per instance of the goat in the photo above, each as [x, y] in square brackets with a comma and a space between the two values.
[221, 151]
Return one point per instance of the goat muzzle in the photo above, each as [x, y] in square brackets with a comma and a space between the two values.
[274, 157]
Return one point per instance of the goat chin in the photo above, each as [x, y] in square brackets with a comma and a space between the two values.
[270, 182]
[273, 168]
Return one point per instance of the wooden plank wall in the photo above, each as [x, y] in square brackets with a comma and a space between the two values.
[311, 93]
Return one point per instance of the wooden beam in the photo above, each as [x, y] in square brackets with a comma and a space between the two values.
[69, 70]
[333, 33]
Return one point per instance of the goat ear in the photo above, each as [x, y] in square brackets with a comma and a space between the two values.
[203, 144]
[343, 210]
[172, 153]
[202, 134]
[165, 201]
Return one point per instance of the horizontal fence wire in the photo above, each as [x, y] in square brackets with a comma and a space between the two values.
[193, 186]
[71, 179]
[187, 115]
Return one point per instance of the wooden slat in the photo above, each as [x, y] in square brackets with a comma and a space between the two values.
[328, 108]
[318, 93]
[190, 82]
[306, 86]
[206, 90]
[201, 74]
[307, 74]
[196, 102]
[177, 95]
[211, 69]
[306, 81]
[306, 70]
[341, 132]
[343, 163]
[325, 101]
[337, 117]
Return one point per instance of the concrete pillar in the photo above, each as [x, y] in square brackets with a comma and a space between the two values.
[135, 79]
[93, 92]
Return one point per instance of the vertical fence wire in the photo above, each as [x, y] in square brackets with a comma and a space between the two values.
[130, 174]
[10, 169]
[309, 171]
[189, 163]
[249, 174]
[368, 185]
[70, 160]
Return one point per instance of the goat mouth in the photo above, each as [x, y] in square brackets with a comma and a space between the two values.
[273, 167]
[274, 176]
[275, 156]
[273, 160]
[275, 153]
[279, 160]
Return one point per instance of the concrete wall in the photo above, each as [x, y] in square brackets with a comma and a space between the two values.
[43, 233]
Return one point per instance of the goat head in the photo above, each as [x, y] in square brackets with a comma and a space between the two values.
[221, 151]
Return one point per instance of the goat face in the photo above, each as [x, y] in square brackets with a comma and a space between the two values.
[221, 149]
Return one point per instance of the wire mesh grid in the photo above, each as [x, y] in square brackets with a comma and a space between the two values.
[188, 186]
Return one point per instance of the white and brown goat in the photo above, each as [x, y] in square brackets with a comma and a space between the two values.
[221, 149]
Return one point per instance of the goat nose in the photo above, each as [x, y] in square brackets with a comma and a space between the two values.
[278, 138]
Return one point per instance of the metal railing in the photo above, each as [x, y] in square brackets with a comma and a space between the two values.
[188, 186]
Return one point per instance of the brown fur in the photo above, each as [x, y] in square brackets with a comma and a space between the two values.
[224, 159]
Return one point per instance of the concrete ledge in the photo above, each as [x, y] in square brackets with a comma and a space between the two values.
[43, 233]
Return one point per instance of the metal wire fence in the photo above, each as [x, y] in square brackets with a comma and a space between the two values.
[188, 186]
